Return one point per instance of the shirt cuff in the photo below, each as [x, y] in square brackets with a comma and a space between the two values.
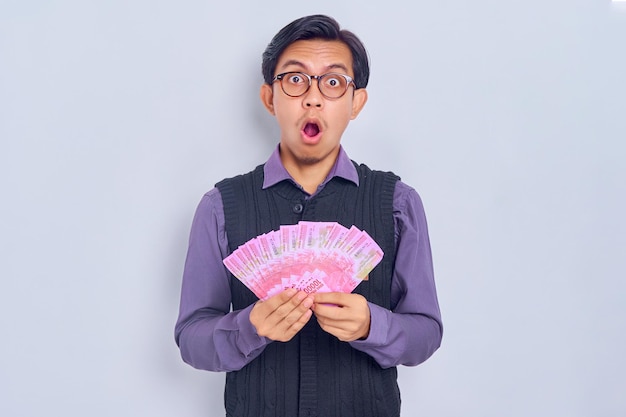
[379, 325]
[250, 340]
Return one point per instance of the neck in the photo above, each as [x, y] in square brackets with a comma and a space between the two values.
[309, 173]
[309, 177]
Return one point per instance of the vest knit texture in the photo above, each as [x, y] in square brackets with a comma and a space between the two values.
[314, 374]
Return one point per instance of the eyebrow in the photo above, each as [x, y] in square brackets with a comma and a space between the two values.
[301, 65]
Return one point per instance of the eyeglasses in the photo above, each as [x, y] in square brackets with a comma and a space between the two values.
[331, 85]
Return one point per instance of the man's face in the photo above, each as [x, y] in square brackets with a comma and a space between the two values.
[311, 125]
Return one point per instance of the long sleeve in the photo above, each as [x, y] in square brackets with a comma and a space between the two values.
[412, 331]
[209, 335]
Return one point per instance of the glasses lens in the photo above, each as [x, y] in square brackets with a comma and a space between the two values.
[333, 85]
[294, 84]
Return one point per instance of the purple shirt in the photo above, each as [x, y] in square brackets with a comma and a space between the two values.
[212, 337]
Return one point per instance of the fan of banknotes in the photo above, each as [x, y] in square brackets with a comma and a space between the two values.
[309, 256]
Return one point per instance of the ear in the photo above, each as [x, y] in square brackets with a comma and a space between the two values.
[358, 102]
[267, 98]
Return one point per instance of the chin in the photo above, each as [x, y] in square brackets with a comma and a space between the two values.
[308, 159]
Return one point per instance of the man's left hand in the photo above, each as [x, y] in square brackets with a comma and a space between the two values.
[346, 316]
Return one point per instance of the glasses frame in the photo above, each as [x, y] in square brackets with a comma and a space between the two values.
[349, 81]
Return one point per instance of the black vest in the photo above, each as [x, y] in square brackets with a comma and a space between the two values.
[314, 374]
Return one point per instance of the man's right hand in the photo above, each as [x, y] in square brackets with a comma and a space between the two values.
[280, 317]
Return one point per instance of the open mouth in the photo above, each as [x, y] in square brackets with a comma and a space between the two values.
[311, 129]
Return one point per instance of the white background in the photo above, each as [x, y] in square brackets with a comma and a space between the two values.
[507, 116]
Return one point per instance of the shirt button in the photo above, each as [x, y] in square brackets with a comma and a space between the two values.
[297, 208]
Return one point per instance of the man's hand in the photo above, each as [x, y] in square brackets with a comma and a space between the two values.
[347, 317]
[282, 316]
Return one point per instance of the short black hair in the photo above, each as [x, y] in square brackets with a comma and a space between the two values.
[316, 27]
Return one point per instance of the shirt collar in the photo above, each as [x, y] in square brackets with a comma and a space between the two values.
[275, 172]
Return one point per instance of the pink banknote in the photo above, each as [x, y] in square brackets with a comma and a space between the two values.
[309, 256]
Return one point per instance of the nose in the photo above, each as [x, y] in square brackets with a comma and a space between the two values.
[313, 97]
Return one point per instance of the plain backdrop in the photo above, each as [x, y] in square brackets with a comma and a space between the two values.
[508, 117]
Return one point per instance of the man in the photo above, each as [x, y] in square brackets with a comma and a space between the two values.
[320, 354]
